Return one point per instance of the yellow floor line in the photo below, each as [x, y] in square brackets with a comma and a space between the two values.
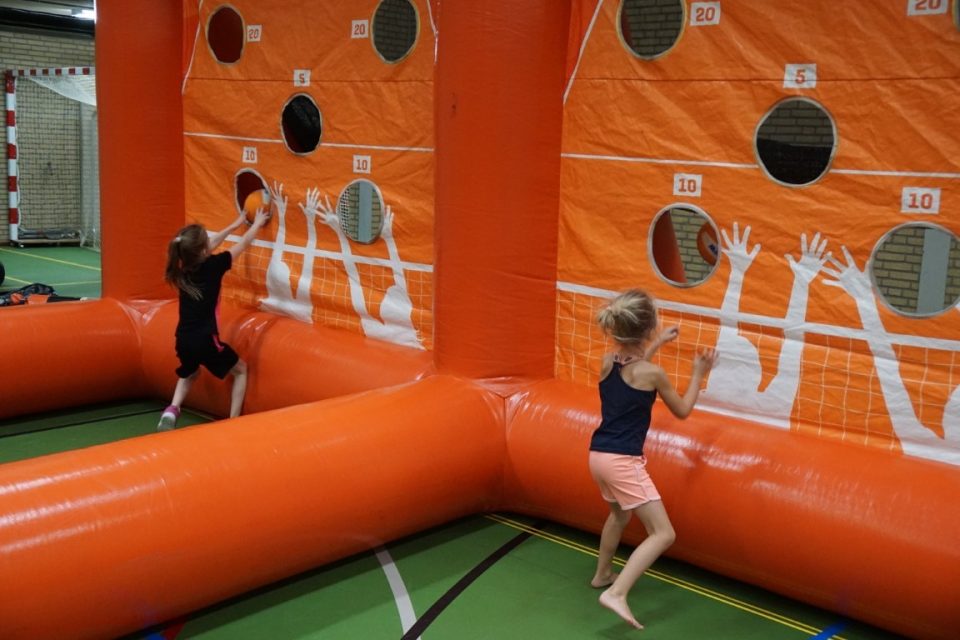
[663, 577]
[17, 280]
[30, 255]
[67, 284]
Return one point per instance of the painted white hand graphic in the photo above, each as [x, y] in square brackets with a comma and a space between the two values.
[811, 260]
[849, 277]
[736, 249]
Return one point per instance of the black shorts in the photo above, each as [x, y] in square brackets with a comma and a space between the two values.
[207, 350]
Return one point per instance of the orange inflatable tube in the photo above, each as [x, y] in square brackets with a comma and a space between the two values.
[294, 362]
[47, 364]
[135, 524]
[866, 535]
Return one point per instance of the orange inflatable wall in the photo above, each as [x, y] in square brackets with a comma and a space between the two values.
[522, 155]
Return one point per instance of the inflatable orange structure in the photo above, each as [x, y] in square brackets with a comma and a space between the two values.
[460, 186]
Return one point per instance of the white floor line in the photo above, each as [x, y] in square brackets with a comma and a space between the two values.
[401, 598]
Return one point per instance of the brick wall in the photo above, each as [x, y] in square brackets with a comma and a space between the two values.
[60, 166]
[348, 208]
[394, 29]
[650, 27]
[896, 269]
[686, 225]
[795, 142]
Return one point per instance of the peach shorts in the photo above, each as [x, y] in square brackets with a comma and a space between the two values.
[623, 479]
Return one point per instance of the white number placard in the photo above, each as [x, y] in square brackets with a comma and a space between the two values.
[920, 200]
[250, 155]
[361, 164]
[926, 7]
[301, 77]
[254, 31]
[360, 29]
[704, 13]
[800, 76]
[687, 184]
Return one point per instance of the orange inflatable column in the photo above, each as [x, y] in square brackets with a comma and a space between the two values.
[499, 88]
[141, 142]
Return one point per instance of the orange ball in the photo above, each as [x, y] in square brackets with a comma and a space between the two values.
[707, 243]
[259, 199]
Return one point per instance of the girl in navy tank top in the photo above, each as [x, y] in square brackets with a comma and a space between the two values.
[629, 385]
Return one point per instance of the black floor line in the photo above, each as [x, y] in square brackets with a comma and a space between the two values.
[447, 598]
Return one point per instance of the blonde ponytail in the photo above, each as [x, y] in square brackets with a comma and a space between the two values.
[629, 318]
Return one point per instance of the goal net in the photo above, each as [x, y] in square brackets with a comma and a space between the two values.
[54, 192]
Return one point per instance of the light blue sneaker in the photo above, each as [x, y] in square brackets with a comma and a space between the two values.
[168, 420]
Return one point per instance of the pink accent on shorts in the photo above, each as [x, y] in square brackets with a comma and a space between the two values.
[623, 479]
[217, 343]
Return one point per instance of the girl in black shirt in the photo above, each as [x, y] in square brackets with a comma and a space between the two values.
[197, 272]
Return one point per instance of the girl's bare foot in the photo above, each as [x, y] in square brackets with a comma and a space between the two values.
[599, 582]
[618, 604]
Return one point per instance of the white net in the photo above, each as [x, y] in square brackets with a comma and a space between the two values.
[58, 167]
[89, 178]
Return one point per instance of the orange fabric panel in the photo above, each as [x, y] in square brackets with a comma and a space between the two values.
[191, 32]
[498, 113]
[238, 505]
[631, 125]
[67, 354]
[368, 108]
[814, 520]
[581, 15]
[141, 142]
[290, 362]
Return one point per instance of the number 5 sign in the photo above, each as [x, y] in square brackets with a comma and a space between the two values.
[800, 76]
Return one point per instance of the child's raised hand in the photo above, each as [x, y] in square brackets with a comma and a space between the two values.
[260, 218]
[704, 361]
[669, 334]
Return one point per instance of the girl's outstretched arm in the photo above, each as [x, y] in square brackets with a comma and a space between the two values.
[258, 222]
[681, 406]
[215, 239]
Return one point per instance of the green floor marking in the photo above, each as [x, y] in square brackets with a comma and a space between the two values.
[96, 427]
[346, 600]
[71, 271]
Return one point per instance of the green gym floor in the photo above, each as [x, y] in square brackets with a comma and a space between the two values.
[492, 576]
[71, 271]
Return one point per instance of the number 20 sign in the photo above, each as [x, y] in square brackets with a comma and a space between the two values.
[703, 14]
[926, 7]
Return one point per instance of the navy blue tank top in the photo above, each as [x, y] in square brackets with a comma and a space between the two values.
[625, 414]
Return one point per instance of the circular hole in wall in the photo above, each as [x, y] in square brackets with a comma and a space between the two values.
[360, 209]
[916, 269]
[246, 182]
[225, 34]
[650, 28]
[683, 244]
[302, 124]
[395, 27]
[795, 142]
